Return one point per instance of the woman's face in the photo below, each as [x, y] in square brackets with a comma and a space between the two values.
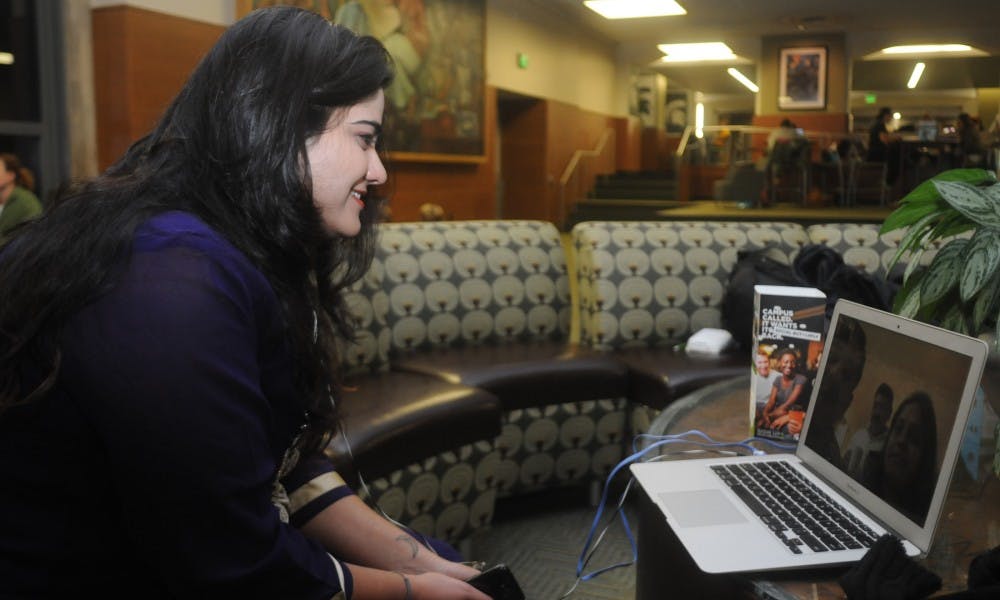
[6, 177]
[344, 163]
[904, 446]
[787, 365]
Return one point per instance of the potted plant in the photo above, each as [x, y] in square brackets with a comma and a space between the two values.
[957, 211]
[960, 289]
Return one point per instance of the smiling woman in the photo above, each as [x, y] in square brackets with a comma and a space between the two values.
[168, 331]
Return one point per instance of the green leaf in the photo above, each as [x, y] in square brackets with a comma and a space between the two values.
[970, 201]
[908, 214]
[907, 304]
[913, 263]
[982, 256]
[912, 240]
[943, 272]
[907, 299]
[970, 176]
[951, 224]
[927, 192]
[986, 300]
[954, 319]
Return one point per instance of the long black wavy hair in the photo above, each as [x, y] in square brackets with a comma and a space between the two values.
[230, 149]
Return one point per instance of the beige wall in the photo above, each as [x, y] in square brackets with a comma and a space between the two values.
[563, 65]
[216, 12]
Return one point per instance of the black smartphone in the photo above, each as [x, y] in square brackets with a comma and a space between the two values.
[498, 583]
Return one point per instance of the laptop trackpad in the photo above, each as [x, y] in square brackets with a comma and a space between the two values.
[700, 508]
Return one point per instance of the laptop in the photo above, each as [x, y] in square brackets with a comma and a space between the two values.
[909, 455]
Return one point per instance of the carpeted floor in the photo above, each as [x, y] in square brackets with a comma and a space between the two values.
[541, 540]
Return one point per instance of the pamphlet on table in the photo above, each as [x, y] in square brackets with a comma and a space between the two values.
[788, 329]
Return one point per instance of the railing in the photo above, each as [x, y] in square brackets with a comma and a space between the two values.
[582, 170]
[698, 160]
[744, 142]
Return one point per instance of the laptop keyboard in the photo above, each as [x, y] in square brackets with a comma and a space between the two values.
[801, 515]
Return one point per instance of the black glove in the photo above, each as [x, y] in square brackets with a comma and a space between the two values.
[985, 569]
[886, 573]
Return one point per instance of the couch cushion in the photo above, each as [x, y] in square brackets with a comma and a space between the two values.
[393, 419]
[469, 283]
[658, 376]
[655, 283]
[368, 305]
[528, 374]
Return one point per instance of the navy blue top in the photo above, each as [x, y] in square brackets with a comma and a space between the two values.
[149, 469]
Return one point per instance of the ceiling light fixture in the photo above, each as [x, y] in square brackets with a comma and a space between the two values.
[738, 76]
[918, 70]
[696, 52]
[6, 58]
[634, 9]
[926, 49]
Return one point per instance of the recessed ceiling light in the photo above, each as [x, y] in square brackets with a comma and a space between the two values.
[918, 70]
[738, 76]
[696, 52]
[926, 49]
[6, 58]
[634, 9]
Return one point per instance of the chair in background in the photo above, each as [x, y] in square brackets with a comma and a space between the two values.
[743, 183]
[830, 178]
[788, 170]
[868, 179]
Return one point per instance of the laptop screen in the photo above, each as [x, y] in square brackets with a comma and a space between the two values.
[885, 409]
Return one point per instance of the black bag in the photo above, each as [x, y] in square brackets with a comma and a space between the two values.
[816, 265]
[823, 268]
[761, 266]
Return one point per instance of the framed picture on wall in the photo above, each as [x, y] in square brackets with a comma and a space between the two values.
[435, 107]
[802, 78]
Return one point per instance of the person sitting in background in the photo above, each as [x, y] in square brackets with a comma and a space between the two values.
[786, 132]
[883, 146]
[866, 444]
[970, 152]
[169, 376]
[18, 202]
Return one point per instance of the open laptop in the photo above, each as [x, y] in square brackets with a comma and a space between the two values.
[901, 489]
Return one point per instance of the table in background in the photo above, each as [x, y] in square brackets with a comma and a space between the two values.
[970, 521]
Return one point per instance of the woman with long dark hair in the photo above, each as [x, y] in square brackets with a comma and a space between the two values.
[166, 332]
[909, 461]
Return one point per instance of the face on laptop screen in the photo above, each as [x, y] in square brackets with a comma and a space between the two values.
[884, 410]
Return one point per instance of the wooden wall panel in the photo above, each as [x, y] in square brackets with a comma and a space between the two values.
[141, 60]
[522, 161]
[628, 144]
[111, 84]
[570, 128]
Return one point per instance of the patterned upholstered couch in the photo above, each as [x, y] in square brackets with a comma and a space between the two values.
[466, 385]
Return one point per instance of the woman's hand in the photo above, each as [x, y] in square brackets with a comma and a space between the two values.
[456, 570]
[438, 586]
